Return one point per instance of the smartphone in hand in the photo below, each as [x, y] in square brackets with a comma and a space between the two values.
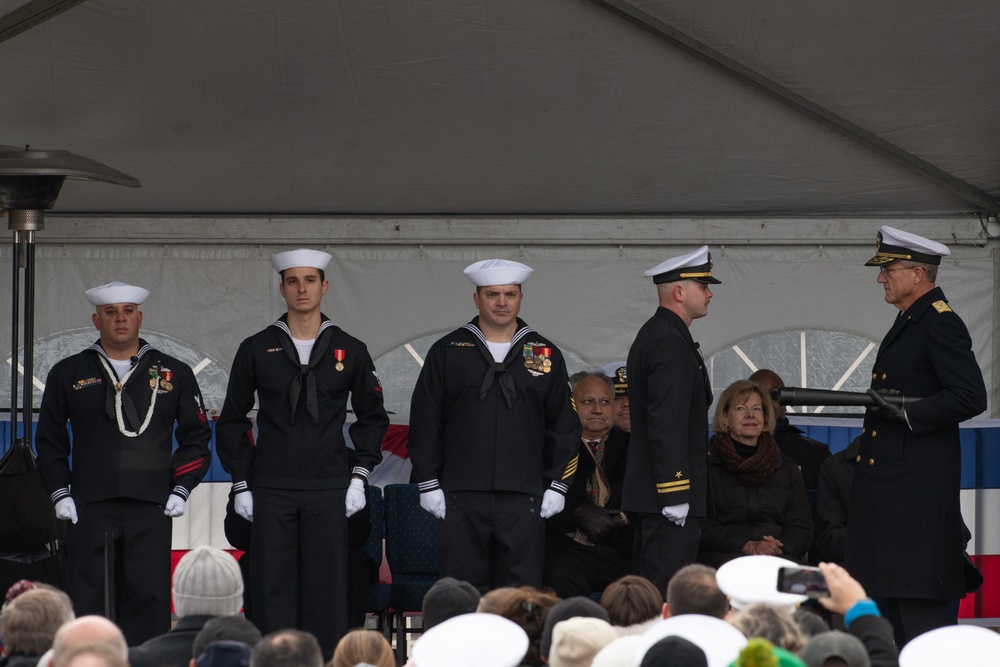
[807, 581]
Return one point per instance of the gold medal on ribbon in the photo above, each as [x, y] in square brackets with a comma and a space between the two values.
[339, 355]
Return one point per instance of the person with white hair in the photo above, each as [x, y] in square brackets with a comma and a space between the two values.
[122, 399]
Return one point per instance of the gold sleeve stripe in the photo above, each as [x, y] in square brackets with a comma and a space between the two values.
[681, 482]
[571, 467]
[686, 487]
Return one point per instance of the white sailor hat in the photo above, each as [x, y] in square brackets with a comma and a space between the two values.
[751, 580]
[481, 639]
[695, 265]
[116, 292]
[618, 372]
[720, 641]
[497, 272]
[965, 645]
[893, 244]
[313, 259]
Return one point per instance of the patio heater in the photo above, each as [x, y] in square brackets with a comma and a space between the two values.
[30, 181]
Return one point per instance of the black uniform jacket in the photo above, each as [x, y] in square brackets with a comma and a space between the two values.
[106, 463]
[615, 459]
[464, 441]
[669, 394]
[778, 507]
[905, 535]
[807, 453]
[301, 445]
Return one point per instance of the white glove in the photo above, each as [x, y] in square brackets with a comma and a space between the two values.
[243, 504]
[355, 496]
[433, 502]
[677, 513]
[175, 506]
[553, 502]
[66, 510]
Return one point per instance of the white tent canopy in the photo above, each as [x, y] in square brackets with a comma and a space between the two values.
[412, 138]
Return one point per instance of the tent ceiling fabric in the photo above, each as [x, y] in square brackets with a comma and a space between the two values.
[506, 107]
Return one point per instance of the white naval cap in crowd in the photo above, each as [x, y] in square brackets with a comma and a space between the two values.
[695, 265]
[104, 295]
[313, 259]
[751, 580]
[720, 641]
[965, 645]
[480, 639]
[892, 245]
[497, 272]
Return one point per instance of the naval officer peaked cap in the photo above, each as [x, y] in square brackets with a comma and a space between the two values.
[893, 244]
[105, 295]
[695, 265]
[313, 259]
[497, 272]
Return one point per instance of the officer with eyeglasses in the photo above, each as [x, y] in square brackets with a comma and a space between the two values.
[906, 537]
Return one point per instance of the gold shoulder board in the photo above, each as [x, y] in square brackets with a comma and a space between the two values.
[941, 306]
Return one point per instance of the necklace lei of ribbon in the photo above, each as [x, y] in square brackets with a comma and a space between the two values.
[119, 386]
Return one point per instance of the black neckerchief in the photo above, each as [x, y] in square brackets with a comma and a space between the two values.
[318, 351]
[494, 369]
[129, 412]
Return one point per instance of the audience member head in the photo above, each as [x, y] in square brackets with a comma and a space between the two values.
[29, 622]
[86, 629]
[16, 588]
[225, 628]
[224, 653]
[91, 653]
[287, 648]
[631, 600]
[529, 608]
[566, 609]
[739, 393]
[577, 640]
[365, 646]
[492, 601]
[482, 640]
[619, 653]
[965, 645]
[694, 590]
[809, 622]
[835, 649]
[768, 381]
[751, 580]
[772, 623]
[594, 396]
[759, 651]
[446, 598]
[720, 641]
[207, 581]
[674, 651]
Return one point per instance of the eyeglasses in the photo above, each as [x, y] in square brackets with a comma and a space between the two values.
[885, 272]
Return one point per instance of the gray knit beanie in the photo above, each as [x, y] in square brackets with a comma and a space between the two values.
[207, 581]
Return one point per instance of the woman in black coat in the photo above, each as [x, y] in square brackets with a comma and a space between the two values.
[758, 493]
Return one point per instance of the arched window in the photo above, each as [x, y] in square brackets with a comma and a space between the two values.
[212, 377]
[811, 358]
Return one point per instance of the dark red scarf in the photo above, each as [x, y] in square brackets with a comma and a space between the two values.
[755, 469]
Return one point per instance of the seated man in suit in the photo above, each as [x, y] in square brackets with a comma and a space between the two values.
[589, 544]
